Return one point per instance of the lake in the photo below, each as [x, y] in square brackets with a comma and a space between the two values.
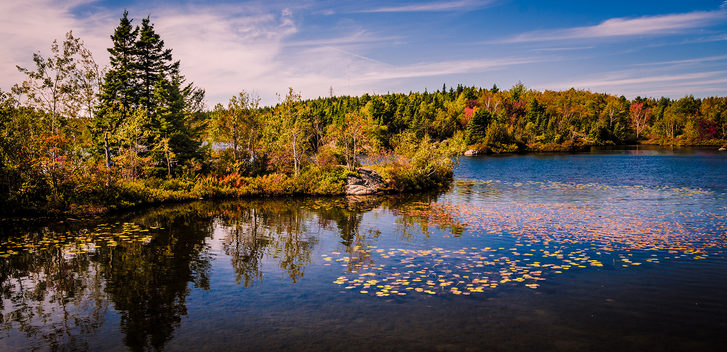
[608, 250]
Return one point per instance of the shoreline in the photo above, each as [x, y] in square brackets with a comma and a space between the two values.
[138, 194]
[596, 148]
[166, 196]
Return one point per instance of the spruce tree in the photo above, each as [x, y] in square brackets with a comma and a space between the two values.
[536, 115]
[144, 79]
[477, 127]
[174, 130]
[120, 84]
[153, 63]
[118, 94]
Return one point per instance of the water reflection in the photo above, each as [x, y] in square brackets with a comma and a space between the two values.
[536, 240]
[57, 286]
[148, 282]
[64, 286]
[52, 299]
[59, 281]
[276, 229]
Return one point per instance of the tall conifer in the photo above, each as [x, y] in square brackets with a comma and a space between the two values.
[120, 84]
[153, 63]
[144, 79]
[118, 95]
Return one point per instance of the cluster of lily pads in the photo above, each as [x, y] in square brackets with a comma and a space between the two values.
[548, 240]
[74, 243]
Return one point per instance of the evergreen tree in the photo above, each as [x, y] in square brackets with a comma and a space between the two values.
[536, 114]
[120, 85]
[118, 94]
[144, 76]
[153, 62]
[477, 126]
[174, 130]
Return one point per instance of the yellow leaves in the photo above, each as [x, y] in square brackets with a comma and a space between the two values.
[531, 242]
[79, 242]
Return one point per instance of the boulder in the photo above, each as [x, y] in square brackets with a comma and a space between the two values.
[368, 182]
[470, 152]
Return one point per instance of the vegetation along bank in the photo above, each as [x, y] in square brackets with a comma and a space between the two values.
[77, 139]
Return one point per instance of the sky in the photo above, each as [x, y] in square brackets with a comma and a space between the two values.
[632, 48]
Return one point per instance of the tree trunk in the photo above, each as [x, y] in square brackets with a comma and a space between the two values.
[234, 141]
[106, 150]
[295, 152]
[354, 155]
[610, 118]
[251, 145]
[169, 164]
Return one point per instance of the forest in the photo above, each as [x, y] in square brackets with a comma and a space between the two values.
[76, 138]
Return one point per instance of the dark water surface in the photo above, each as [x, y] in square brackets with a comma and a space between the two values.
[612, 250]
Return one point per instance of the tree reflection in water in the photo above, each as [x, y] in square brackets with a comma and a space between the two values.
[53, 300]
[149, 283]
[57, 296]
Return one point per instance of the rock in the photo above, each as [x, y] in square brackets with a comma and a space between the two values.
[470, 152]
[722, 149]
[368, 182]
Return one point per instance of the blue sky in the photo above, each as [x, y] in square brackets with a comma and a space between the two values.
[646, 48]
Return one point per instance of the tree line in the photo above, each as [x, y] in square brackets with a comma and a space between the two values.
[74, 135]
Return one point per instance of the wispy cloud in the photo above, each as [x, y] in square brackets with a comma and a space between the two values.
[633, 83]
[359, 37]
[713, 38]
[443, 68]
[225, 49]
[265, 47]
[574, 48]
[622, 27]
[30, 26]
[692, 61]
[434, 6]
[642, 80]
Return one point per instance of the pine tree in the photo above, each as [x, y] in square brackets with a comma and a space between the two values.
[120, 85]
[174, 122]
[118, 94]
[153, 63]
[477, 126]
[536, 115]
[143, 76]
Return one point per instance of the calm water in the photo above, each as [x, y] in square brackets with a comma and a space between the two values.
[614, 250]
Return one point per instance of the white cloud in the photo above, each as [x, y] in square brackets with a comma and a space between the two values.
[631, 83]
[435, 6]
[224, 51]
[621, 27]
[642, 80]
[228, 48]
[692, 61]
[264, 49]
[30, 26]
[222, 48]
[442, 68]
[359, 37]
